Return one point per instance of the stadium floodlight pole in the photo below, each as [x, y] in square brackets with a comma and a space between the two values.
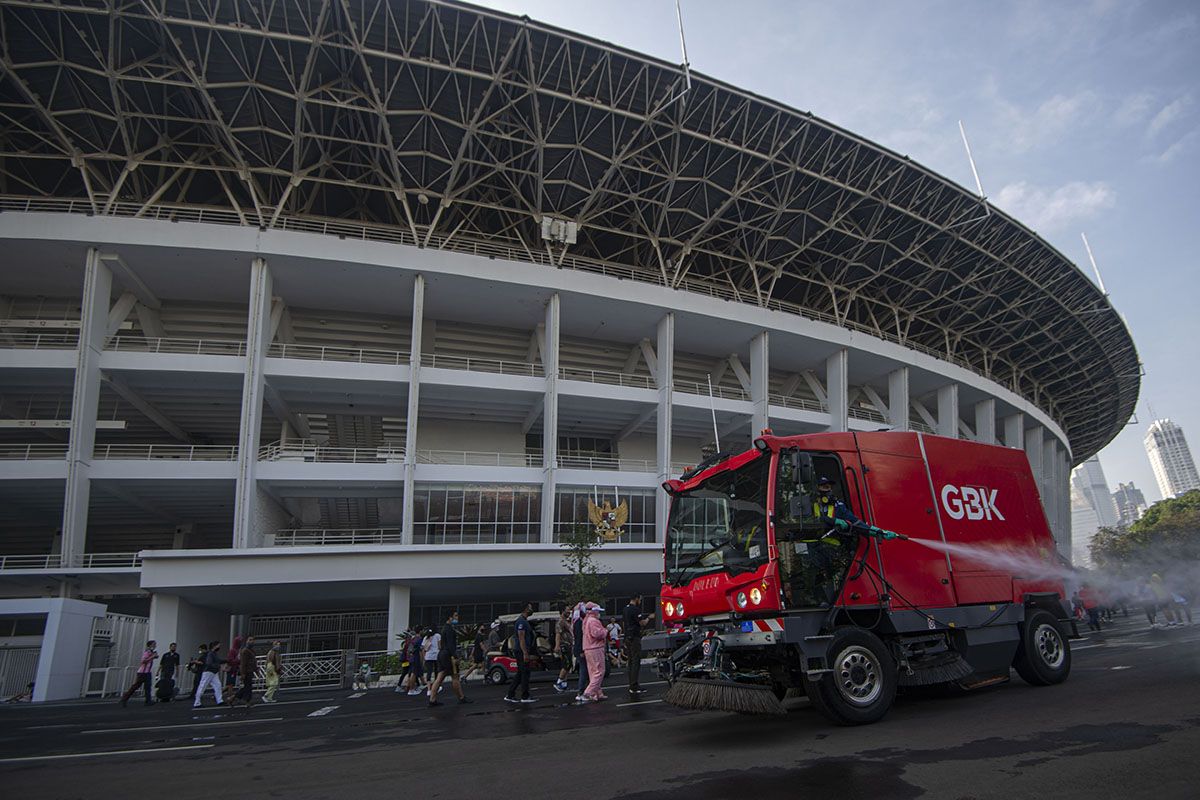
[1095, 268]
[978, 184]
[687, 67]
[713, 410]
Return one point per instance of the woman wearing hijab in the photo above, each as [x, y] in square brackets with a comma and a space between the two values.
[595, 638]
[577, 616]
[233, 664]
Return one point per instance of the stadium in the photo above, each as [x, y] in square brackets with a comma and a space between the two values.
[319, 318]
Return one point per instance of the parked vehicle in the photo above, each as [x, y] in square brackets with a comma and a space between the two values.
[502, 664]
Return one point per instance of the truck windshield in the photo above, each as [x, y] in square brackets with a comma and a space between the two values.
[721, 525]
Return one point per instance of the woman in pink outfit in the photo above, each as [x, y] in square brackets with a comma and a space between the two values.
[595, 637]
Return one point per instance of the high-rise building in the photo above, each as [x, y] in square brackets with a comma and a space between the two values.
[1092, 508]
[1171, 459]
[1131, 504]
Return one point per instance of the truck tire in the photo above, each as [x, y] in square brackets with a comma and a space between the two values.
[497, 676]
[862, 685]
[1043, 655]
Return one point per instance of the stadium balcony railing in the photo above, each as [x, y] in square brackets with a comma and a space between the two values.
[307, 450]
[40, 341]
[82, 561]
[177, 452]
[175, 346]
[33, 452]
[326, 537]
[357, 355]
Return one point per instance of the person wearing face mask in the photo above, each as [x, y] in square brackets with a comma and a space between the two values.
[595, 638]
[447, 662]
[828, 508]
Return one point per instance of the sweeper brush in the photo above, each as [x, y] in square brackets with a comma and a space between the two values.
[699, 694]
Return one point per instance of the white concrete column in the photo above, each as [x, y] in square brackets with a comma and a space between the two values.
[947, 410]
[760, 366]
[1051, 495]
[258, 330]
[399, 610]
[1033, 451]
[414, 398]
[898, 400]
[550, 419]
[85, 402]
[66, 644]
[985, 421]
[837, 390]
[664, 379]
[1014, 430]
[173, 619]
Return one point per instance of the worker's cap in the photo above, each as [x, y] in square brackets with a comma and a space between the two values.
[495, 624]
[594, 607]
[823, 481]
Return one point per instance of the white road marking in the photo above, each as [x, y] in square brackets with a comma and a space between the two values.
[276, 703]
[320, 712]
[184, 725]
[1122, 667]
[638, 703]
[360, 694]
[108, 753]
[1085, 647]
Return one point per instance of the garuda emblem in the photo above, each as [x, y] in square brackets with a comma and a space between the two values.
[607, 520]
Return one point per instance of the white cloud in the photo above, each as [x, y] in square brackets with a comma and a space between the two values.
[1134, 109]
[1023, 129]
[1169, 113]
[1180, 146]
[1051, 209]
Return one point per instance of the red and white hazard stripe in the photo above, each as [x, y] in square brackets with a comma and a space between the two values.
[775, 624]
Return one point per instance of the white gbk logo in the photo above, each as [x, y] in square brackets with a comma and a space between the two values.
[972, 502]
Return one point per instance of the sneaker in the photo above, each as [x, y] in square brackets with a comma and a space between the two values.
[462, 701]
[414, 692]
[433, 703]
[508, 699]
[528, 699]
[579, 698]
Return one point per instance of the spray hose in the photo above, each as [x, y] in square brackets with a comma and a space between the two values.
[867, 530]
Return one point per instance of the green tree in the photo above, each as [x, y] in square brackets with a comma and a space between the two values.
[585, 578]
[1167, 535]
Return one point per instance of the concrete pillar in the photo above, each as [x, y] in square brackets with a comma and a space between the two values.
[414, 397]
[837, 369]
[1051, 495]
[173, 619]
[550, 419]
[258, 330]
[1014, 430]
[664, 379]
[898, 400]
[1033, 451]
[985, 421]
[66, 643]
[85, 401]
[759, 382]
[399, 610]
[947, 410]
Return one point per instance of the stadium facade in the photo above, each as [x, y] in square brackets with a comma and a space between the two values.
[331, 315]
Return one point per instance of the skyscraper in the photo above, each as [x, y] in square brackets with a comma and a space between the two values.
[1171, 459]
[1131, 504]
[1092, 508]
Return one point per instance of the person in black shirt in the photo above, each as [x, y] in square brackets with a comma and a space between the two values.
[196, 667]
[166, 673]
[634, 620]
[526, 651]
[577, 649]
[447, 662]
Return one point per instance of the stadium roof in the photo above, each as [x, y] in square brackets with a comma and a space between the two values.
[450, 125]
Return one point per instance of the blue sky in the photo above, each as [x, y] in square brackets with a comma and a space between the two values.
[1082, 116]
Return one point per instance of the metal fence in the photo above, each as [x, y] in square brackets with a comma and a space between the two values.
[479, 459]
[32, 452]
[178, 452]
[492, 365]
[356, 355]
[40, 341]
[609, 377]
[209, 347]
[299, 537]
[18, 668]
[308, 450]
[81, 561]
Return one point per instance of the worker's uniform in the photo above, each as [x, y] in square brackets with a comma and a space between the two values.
[827, 555]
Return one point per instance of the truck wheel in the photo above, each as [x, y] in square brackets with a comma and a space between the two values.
[862, 685]
[1043, 655]
[497, 676]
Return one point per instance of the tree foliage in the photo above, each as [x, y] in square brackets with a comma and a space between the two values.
[1167, 535]
[585, 578]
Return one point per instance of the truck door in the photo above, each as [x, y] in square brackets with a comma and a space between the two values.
[900, 499]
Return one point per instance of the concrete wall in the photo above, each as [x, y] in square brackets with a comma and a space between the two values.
[66, 643]
[173, 619]
[485, 437]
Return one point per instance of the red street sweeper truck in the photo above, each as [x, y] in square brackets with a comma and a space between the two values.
[766, 590]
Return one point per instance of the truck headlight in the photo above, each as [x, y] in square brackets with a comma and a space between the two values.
[741, 599]
[669, 609]
[679, 608]
[755, 596]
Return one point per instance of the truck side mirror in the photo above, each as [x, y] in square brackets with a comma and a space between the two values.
[802, 468]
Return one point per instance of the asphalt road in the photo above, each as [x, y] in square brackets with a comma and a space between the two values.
[1126, 724]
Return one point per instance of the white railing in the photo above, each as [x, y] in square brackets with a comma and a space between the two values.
[32, 452]
[607, 462]
[493, 365]
[688, 387]
[300, 537]
[309, 451]
[356, 355]
[476, 532]
[723, 291]
[479, 459]
[178, 452]
[208, 347]
[40, 341]
[304, 670]
[921, 426]
[82, 561]
[858, 412]
[606, 376]
[802, 403]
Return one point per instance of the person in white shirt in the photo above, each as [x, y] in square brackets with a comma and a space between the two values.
[429, 654]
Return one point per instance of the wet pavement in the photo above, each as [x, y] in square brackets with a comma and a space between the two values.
[1126, 724]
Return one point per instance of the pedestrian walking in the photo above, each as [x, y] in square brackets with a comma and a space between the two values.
[247, 666]
[595, 639]
[211, 675]
[167, 667]
[614, 642]
[412, 648]
[1091, 606]
[196, 667]
[564, 646]
[635, 621]
[430, 648]
[272, 672]
[577, 617]
[495, 642]
[524, 652]
[447, 662]
[144, 674]
[233, 664]
[478, 653]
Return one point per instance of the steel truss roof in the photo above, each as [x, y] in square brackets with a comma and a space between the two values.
[455, 125]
